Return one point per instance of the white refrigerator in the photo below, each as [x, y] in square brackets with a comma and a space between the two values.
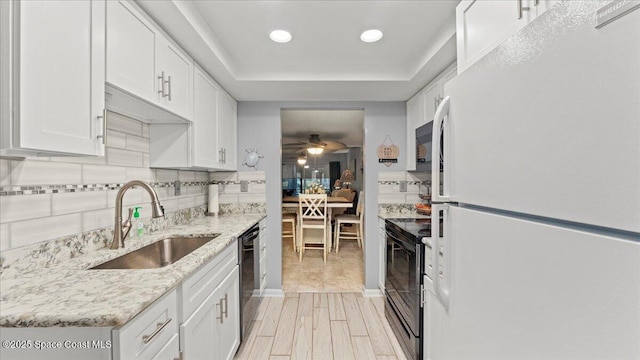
[540, 198]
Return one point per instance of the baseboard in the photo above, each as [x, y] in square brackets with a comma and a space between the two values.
[273, 293]
[372, 292]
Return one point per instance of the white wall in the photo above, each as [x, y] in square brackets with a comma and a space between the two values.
[259, 127]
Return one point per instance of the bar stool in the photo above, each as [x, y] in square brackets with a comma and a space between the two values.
[354, 220]
[289, 218]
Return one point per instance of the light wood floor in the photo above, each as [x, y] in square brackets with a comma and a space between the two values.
[343, 272]
[309, 325]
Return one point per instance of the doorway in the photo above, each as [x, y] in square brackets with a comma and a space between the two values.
[340, 134]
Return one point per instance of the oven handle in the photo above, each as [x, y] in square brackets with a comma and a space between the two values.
[397, 240]
[441, 285]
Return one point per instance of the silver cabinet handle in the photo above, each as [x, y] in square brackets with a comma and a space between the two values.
[147, 338]
[169, 83]
[521, 9]
[226, 305]
[221, 317]
[536, 2]
[161, 78]
[104, 126]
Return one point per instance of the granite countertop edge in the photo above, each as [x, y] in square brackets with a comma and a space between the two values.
[69, 295]
[402, 215]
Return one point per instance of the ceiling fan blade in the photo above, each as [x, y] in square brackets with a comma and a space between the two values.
[333, 145]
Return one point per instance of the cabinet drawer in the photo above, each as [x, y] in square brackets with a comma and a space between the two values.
[170, 351]
[200, 285]
[145, 335]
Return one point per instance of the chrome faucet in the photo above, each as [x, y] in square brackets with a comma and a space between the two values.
[121, 230]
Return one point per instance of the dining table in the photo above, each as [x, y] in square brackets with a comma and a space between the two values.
[332, 202]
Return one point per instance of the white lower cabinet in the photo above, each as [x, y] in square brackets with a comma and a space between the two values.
[227, 335]
[433, 313]
[213, 330]
[382, 243]
[263, 255]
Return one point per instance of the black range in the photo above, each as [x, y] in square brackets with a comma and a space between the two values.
[405, 266]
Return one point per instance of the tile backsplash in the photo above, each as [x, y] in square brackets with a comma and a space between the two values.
[389, 186]
[46, 198]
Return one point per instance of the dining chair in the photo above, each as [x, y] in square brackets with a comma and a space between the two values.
[290, 219]
[356, 222]
[345, 193]
[312, 211]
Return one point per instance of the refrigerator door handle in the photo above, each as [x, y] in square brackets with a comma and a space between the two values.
[441, 284]
[438, 121]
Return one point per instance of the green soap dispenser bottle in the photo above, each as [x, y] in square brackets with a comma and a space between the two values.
[137, 222]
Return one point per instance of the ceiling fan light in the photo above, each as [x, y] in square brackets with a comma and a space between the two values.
[302, 160]
[315, 150]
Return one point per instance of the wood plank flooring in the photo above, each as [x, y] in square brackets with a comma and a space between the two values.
[321, 326]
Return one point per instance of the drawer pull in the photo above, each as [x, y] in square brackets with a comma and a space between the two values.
[226, 305]
[147, 338]
[221, 317]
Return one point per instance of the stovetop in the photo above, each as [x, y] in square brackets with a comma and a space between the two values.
[417, 227]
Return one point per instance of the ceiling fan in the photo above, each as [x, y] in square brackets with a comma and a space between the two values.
[315, 145]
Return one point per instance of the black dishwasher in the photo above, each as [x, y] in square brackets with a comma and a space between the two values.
[249, 270]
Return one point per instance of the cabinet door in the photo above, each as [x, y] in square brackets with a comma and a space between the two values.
[481, 25]
[228, 330]
[382, 249]
[415, 112]
[178, 75]
[205, 114]
[227, 122]
[432, 96]
[198, 334]
[131, 40]
[61, 76]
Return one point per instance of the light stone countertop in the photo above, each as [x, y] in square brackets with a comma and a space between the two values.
[402, 216]
[67, 294]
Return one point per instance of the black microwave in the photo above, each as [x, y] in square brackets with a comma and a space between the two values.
[424, 139]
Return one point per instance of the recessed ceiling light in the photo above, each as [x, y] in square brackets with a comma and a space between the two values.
[280, 36]
[372, 35]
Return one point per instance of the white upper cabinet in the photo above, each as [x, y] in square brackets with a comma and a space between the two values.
[415, 114]
[145, 63]
[131, 55]
[227, 131]
[176, 75]
[204, 129]
[53, 70]
[481, 25]
[209, 142]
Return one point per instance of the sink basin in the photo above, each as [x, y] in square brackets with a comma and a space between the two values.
[158, 254]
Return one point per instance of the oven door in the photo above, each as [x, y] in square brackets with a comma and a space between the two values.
[404, 278]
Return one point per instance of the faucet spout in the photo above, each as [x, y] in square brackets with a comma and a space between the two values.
[120, 230]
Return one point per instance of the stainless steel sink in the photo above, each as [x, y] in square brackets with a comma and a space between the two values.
[158, 254]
